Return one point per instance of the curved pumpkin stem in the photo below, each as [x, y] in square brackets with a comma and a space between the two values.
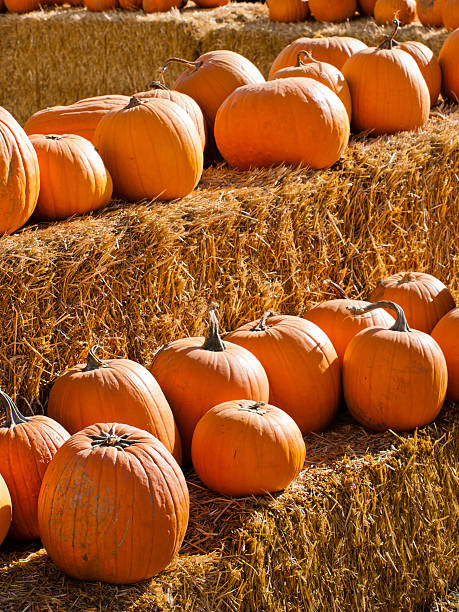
[400, 323]
[389, 42]
[261, 325]
[158, 85]
[337, 289]
[133, 102]
[13, 416]
[213, 341]
[177, 60]
[93, 362]
[306, 54]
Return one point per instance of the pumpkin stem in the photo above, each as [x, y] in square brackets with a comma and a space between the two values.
[54, 136]
[400, 323]
[158, 85]
[93, 362]
[389, 42]
[109, 438]
[13, 416]
[177, 60]
[306, 54]
[261, 325]
[133, 102]
[213, 341]
[337, 289]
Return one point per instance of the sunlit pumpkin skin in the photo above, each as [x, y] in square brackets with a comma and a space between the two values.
[80, 118]
[198, 373]
[100, 5]
[366, 7]
[152, 150]
[427, 64]
[5, 509]
[158, 6]
[245, 448]
[446, 334]
[424, 298]
[335, 50]
[210, 3]
[429, 12]
[249, 134]
[22, 6]
[27, 445]
[288, 10]
[387, 10]
[114, 505]
[450, 14]
[393, 378]
[326, 74]
[302, 367]
[332, 10]
[449, 61]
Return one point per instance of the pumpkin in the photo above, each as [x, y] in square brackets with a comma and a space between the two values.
[393, 378]
[22, 6]
[334, 50]
[427, 64]
[446, 334]
[2, 10]
[198, 373]
[210, 3]
[386, 11]
[334, 318]
[100, 5]
[19, 175]
[113, 390]
[450, 14]
[302, 367]
[158, 90]
[429, 12]
[366, 7]
[288, 10]
[27, 445]
[332, 10]
[328, 75]
[424, 298]
[152, 150]
[73, 178]
[5, 509]
[293, 121]
[130, 5]
[389, 93]
[242, 448]
[80, 118]
[449, 58]
[113, 506]
[156, 6]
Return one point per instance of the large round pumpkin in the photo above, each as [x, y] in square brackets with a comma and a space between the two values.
[288, 10]
[27, 445]
[424, 298]
[446, 334]
[113, 506]
[427, 64]
[247, 448]
[157, 6]
[393, 378]
[366, 7]
[198, 373]
[332, 10]
[449, 61]
[19, 175]
[151, 149]
[5, 509]
[450, 14]
[293, 120]
[386, 11]
[429, 12]
[302, 367]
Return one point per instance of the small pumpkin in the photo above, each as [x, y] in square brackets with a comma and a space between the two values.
[5, 510]
[366, 7]
[210, 3]
[448, 59]
[427, 64]
[446, 334]
[100, 5]
[113, 506]
[332, 10]
[393, 378]
[157, 6]
[22, 6]
[386, 11]
[288, 10]
[450, 14]
[244, 448]
[424, 298]
[130, 5]
[429, 12]
[27, 445]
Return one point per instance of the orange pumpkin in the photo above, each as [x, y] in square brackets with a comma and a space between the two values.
[429, 12]
[288, 10]
[244, 448]
[249, 134]
[80, 118]
[19, 175]
[5, 509]
[114, 390]
[113, 506]
[366, 7]
[446, 334]
[196, 374]
[301, 364]
[386, 11]
[389, 93]
[157, 6]
[151, 149]
[100, 5]
[424, 299]
[332, 10]
[427, 64]
[22, 6]
[210, 3]
[449, 61]
[334, 50]
[393, 378]
[130, 5]
[27, 445]
[450, 15]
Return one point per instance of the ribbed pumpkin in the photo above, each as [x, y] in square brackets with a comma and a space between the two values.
[302, 367]
[424, 298]
[450, 14]
[244, 448]
[449, 59]
[19, 175]
[333, 318]
[393, 378]
[113, 506]
[366, 7]
[100, 5]
[80, 118]
[22, 6]
[446, 334]
[386, 11]
[288, 10]
[151, 149]
[198, 373]
[157, 6]
[332, 10]
[27, 445]
[73, 178]
[5, 509]
[293, 121]
[328, 75]
[210, 3]
[334, 50]
[427, 64]
[389, 93]
[113, 390]
[429, 12]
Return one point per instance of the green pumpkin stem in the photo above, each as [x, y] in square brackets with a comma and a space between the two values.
[93, 362]
[261, 325]
[337, 289]
[400, 324]
[13, 416]
[213, 341]
[389, 41]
